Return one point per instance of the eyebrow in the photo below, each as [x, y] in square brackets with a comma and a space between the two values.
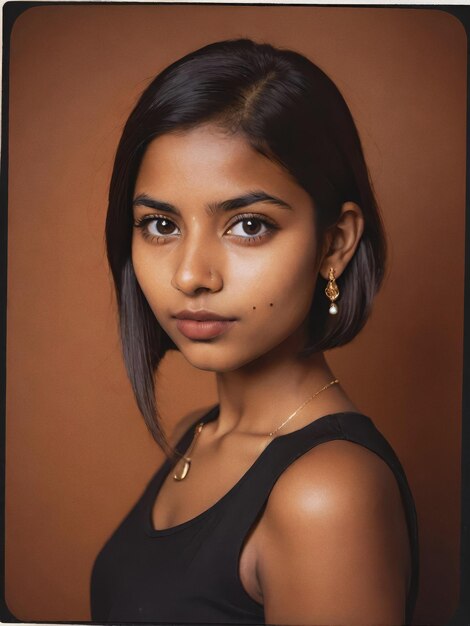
[144, 200]
[252, 197]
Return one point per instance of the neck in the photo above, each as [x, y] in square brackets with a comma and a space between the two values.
[257, 398]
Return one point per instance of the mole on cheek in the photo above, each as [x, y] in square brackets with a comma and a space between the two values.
[254, 308]
[270, 304]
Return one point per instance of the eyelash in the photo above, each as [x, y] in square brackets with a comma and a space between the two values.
[270, 226]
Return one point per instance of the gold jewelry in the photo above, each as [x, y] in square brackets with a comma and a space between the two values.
[332, 291]
[186, 460]
[332, 382]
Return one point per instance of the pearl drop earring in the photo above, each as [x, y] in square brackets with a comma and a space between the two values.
[332, 291]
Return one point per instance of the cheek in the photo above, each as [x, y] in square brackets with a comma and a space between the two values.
[153, 281]
[290, 293]
[278, 289]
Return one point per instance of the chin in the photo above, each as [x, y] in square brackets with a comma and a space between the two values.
[214, 363]
[212, 358]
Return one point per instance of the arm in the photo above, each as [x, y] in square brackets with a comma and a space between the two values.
[334, 548]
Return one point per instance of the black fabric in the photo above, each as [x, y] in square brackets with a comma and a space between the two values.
[189, 572]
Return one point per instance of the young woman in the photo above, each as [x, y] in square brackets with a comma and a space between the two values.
[242, 230]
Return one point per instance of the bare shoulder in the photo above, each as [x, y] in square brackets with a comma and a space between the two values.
[334, 525]
[337, 473]
[186, 422]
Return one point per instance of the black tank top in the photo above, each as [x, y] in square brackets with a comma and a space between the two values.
[189, 573]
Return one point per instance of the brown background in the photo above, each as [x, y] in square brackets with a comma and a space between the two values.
[78, 454]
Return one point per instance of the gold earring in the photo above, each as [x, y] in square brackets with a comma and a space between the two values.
[332, 291]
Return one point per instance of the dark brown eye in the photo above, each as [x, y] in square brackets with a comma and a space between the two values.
[164, 226]
[157, 227]
[251, 226]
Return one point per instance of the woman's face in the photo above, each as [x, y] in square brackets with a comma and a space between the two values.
[222, 232]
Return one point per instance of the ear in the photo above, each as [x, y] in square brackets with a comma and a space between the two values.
[342, 239]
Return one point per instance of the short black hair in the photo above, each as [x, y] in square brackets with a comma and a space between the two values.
[289, 110]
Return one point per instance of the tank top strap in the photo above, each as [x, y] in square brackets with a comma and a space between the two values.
[247, 503]
[285, 449]
[250, 499]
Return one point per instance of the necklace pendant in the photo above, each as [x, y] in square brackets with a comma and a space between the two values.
[181, 474]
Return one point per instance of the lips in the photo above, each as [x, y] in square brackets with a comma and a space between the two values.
[202, 324]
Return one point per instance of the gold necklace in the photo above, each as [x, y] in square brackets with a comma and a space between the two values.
[186, 460]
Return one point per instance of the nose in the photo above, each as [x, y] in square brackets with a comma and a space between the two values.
[196, 270]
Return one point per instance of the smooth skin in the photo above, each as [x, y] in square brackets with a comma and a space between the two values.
[331, 546]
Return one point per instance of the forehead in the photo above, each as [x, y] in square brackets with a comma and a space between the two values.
[207, 161]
